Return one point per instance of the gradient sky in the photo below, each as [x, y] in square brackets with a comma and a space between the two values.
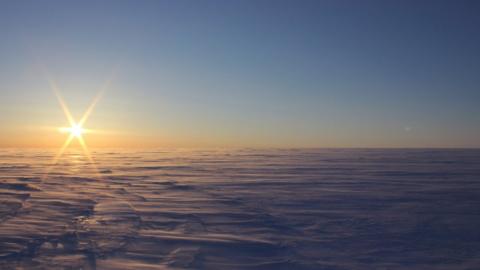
[244, 73]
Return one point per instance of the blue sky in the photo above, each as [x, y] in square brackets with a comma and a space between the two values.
[246, 73]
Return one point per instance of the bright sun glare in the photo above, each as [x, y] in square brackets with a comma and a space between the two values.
[77, 130]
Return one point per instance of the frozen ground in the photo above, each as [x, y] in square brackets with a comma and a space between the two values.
[241, 209]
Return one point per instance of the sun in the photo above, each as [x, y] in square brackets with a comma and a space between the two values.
[76, 130]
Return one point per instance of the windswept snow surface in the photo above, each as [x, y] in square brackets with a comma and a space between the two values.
[241, 209]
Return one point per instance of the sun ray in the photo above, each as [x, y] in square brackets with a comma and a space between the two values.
[62, 102]
[94, 103]
[64, 147]
[90, 109]
[85, 149]
[59, 154]
[89, 156]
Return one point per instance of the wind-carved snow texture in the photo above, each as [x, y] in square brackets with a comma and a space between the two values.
[241, 209]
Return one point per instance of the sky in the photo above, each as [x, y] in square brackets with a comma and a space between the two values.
[242, 73]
